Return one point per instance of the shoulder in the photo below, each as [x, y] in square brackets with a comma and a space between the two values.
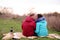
[38, 23]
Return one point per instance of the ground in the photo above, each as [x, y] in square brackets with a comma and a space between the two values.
[6, 24]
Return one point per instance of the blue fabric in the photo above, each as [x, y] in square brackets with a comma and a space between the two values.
[41, 27]
[40, 19]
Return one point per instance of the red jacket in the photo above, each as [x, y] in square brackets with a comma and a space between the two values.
[28, 27]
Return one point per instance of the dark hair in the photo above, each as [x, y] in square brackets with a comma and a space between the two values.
[39, 15]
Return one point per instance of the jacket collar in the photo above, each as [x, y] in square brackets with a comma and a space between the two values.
[40, 19]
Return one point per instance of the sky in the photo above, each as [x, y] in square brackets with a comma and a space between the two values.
[24, 6]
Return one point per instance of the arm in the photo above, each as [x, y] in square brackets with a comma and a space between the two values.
[34, 25]
[22, 26]
[37, 28]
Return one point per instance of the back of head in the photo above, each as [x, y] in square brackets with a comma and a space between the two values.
[31, 14]
[30, 18]
[39, 15]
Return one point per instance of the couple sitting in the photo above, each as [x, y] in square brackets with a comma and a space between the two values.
[32, 27]
[35, 25]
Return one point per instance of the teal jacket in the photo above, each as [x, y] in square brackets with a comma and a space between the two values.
[41, 27]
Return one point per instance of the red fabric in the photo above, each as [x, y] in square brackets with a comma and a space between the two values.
[28, 27]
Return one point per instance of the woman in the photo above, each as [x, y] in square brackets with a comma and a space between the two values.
[41, 26]
[29, 25]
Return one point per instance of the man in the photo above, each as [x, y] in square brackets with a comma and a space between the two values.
[29, 25]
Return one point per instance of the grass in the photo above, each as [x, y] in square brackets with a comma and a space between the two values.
[6, 24]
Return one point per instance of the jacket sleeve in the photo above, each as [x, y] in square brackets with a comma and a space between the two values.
[22, 26]
[34, 25]
[37, 28]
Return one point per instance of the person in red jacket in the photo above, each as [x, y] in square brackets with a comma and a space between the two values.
[29, 26]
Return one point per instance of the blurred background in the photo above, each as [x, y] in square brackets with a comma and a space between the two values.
[13, 12]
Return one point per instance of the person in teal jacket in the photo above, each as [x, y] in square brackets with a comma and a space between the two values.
[41, 26]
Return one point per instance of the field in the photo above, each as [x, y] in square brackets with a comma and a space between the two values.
[6, 24]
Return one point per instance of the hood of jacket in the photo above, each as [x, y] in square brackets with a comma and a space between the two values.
[29, 19]
[40, 19]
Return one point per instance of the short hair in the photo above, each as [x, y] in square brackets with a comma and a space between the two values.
[39, 15]
[32, 14]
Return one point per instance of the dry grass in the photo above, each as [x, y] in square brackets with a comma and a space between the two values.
[53, 21]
